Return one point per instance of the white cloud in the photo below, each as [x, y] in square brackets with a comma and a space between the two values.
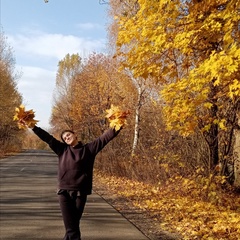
[54, 45]
[89, 26]
[34, 78]
[36, 86]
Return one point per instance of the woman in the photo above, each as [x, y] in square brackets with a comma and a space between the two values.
[75, 173]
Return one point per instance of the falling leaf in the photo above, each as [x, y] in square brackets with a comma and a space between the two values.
[116, 117]
[24, 118]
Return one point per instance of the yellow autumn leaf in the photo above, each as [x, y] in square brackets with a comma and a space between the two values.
[116, 117]
[24, 118]
[222, 124]
[208, 105]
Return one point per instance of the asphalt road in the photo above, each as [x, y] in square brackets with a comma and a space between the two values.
[29, 207]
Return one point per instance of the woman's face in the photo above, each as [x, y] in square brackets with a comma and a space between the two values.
[70, 138]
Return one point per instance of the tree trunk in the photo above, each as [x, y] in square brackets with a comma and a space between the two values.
[212, 135]
[213, 145]
[212, 140]
[236, 156]
[137, 119]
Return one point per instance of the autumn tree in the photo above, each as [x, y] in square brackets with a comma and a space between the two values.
[129, 8]
[99, 85]
[94, 86]
[9, 98]
[118, 8]
[68, 69]
[192, 48]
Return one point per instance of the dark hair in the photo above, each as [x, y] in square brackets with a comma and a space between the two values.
[64, 131]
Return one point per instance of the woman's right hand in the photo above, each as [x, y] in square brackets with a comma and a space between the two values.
[25, 124]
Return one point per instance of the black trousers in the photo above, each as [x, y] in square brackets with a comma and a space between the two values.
[72, 207]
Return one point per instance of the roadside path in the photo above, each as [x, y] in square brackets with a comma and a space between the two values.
[29, 205]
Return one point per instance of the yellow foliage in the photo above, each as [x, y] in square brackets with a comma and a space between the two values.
[24, 118]
[190, 47]
[116, 117]
[180, 206]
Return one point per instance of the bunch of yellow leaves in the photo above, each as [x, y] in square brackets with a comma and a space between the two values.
[116, 117]
[25, 118]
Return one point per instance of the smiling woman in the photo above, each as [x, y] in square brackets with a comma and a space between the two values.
[75, 173]
[69, 137]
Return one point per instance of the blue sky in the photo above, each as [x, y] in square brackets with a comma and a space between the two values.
[41, 34]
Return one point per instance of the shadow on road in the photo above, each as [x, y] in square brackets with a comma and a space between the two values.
[29, 205]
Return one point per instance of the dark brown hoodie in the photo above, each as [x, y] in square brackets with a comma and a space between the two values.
[75, 168]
